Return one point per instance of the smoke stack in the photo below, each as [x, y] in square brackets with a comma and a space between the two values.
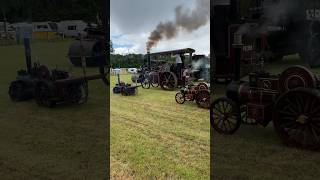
[27, 50]
[237, 47]
[149, 60]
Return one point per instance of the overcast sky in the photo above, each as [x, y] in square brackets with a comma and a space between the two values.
[132, 21]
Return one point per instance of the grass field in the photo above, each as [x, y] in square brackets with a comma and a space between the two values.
[255, 152]
[153, 137]
[66, 142]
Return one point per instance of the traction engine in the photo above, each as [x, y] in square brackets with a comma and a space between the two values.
[291, 100]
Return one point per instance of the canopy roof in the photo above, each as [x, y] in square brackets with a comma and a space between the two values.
[179, 51]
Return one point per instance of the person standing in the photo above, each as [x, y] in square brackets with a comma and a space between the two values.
[179, 65]
[187, 74]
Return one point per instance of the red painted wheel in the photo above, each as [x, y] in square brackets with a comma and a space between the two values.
[203, 99]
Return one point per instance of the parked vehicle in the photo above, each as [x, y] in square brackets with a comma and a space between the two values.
[132, 70]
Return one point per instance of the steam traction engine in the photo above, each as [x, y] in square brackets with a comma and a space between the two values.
[166, 76]
[290, 99]
[50, 87]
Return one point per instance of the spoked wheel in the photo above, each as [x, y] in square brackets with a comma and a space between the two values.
[180, 98]
[43, 95]
[297, 118]
[16, 91]
[145, 83]
[168, 81]
[244, 118]
[203, 99]
[225, 117]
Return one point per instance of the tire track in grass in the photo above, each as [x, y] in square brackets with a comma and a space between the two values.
[192, 121]
[177, 153]
[170, 125]
[172, 144]
[165, 161]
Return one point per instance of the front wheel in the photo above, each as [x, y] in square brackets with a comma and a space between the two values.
[225, 117]
[16, 91]
[145, 84]
[180, 98]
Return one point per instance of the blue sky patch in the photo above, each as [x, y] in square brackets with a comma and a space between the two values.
[117, 36]
[123, 46]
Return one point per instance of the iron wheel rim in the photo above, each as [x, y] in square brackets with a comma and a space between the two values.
[223, 113]
[297, 118]
[180, 98]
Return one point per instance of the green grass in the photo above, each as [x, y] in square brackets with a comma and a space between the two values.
[153, 137]
[66, 142]
[255, 152]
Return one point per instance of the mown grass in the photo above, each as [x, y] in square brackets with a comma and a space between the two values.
[66, 142]
[255, 152]
[153, 137]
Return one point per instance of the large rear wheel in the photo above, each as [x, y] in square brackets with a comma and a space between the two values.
[203, 99]
[297, 118]
[168, 81]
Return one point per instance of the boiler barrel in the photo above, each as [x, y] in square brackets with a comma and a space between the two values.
[238, 91]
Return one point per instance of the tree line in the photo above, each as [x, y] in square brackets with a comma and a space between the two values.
[126, 61]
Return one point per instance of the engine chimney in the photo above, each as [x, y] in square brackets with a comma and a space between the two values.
[237, 46]
[149, 60]
[27, 50]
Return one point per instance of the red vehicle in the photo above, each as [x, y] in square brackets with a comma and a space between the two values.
[291, 100]
[199, 93]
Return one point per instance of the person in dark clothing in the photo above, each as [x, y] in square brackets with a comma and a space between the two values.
[179, 65]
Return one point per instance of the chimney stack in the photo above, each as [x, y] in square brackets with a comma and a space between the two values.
[149, 60]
